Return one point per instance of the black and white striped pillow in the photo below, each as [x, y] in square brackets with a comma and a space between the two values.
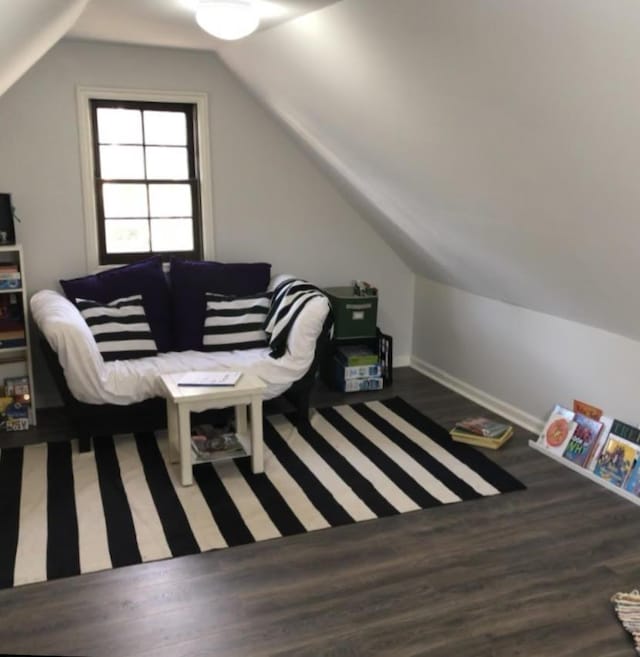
[120, 327]
[235, 322]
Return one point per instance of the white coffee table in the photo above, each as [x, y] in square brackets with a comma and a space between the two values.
[184, 400]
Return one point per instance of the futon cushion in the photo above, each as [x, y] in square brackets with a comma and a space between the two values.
[235, 322]
[192, 279]
[145, 278]
[120, 328]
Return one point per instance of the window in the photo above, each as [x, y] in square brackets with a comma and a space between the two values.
[146, 183]
[145, 174]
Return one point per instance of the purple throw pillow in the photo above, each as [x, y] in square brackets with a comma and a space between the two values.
[146, 278]
[192, 279]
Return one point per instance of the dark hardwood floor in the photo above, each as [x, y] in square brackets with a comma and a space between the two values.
[527, 573]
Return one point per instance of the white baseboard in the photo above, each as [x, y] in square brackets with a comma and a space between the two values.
[401, 361]
[511, 413]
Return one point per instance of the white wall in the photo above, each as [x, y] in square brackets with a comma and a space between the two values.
[521, 362]
[271, 202]
[498, 138]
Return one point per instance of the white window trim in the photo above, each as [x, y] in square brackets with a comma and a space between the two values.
[200, 100]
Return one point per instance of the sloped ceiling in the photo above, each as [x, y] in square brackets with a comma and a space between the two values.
[171, 22]
[495, 142]
[28, 28]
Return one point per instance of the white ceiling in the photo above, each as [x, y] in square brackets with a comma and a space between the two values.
[170, 22]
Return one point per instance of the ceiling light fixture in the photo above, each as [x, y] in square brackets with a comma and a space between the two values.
[228, 19]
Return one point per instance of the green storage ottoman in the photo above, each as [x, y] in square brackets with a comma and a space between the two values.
[354, 316]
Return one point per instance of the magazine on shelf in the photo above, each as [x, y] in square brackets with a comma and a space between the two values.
[210, 442]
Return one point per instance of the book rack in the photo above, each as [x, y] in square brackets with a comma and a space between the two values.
[585, 472]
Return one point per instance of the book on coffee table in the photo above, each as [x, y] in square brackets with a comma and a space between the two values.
[209, 379]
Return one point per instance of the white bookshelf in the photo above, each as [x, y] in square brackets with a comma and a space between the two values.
[585, 472]
[18, 361]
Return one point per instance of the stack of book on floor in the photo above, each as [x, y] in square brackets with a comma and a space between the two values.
[482, 432]
[357, 368]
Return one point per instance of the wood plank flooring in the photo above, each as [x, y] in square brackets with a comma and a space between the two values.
[528, 573]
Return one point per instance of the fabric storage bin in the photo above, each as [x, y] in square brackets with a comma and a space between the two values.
[354, 316]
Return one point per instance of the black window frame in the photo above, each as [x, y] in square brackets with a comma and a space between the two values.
[191, 112]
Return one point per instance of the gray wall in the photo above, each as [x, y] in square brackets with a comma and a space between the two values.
[521, 362]
[496, 142]
[499, 138]
[271, 202]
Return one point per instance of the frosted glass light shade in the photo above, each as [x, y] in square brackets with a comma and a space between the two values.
[228, 19]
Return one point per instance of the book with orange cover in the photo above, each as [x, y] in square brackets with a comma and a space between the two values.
[589, 410]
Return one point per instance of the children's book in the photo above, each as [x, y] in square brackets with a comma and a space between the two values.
[589, 410]
[616, 460]
[558, 430]
[626, 431]
[583, 439]
[592, 458]
[632, 483]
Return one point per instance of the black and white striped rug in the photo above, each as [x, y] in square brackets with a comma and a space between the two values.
[63, 513]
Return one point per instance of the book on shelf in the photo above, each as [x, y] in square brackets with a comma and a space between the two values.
[10, 281]
[12, 343]
[584, 438]
[612, 428]
[18, 388]
[492, 442]
[589, 410]
[627, 431]
[482, 426]
[11, 334]
[558, 430]
[632, 483]
[607, 422]
[356, 355]
[616, 460]
[209, 442]
[17, 417]
[11, 308]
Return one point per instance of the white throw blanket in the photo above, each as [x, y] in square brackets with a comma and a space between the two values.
[123, 382]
